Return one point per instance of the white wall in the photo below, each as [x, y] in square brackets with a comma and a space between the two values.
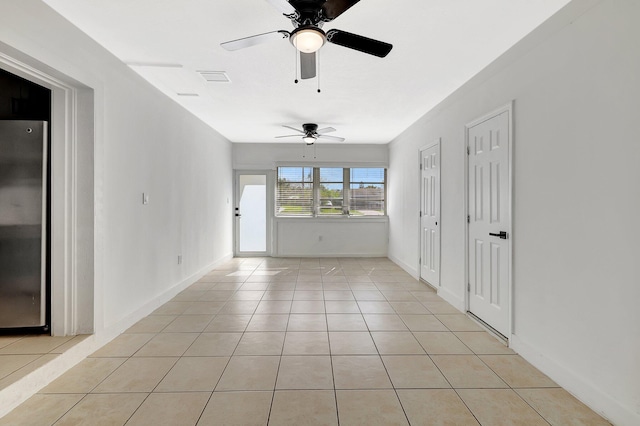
[331, 237]
[144, 142]
[265, 156]
[116, 259]
[576, 86]
[363, 237]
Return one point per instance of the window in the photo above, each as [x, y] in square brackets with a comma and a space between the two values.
[331, 191]
[295, 191]
[366, 197]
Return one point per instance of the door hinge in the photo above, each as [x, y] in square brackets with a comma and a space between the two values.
[468, 151]
[420, 213]
[469, 287]
[420, 165]
[468, 218]
[420, 261]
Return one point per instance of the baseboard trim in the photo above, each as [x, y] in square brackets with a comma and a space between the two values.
[586, 392]
[338, 255]
[18, 392]
[452, 299]
[408, 268]
[126, 322]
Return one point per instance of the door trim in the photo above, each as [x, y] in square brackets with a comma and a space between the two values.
[509, 109]
[76, 237]
[435, 143]
[269, 213]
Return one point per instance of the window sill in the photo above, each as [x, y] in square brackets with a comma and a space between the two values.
[384, 218]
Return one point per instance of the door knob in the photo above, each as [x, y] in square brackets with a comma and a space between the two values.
[502, 235]
[238, 215]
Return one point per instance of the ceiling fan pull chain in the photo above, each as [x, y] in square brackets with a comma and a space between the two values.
[304, 151]
[314, 151]
[295, 52]
[318, 68]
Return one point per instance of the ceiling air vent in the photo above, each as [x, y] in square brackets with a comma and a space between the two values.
[215, 76]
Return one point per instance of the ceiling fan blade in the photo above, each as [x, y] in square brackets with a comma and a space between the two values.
[325, 130]
[360, 43]
[283, 6]
[288, 136]
[332, 138]
[254, 40]
[307, 65]
[293, 128]
[331, 9]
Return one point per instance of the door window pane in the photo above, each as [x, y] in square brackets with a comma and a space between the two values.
[253, 211]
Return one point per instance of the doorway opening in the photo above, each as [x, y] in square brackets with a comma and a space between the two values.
[25, 206]
[72, 217]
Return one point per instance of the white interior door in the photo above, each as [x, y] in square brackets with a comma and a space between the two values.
[430, 214]
[251, 213]
[489, 247]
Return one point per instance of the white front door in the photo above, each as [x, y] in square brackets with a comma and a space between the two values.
[251, 213]
[430, 214]
[489, 244]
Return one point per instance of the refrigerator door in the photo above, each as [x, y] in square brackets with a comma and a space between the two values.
[23, 148]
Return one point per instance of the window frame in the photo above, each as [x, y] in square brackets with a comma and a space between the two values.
[303, 182]
[384, 192]
[317, 192]
[346, 192]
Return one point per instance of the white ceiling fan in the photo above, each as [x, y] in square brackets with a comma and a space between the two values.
[310, 133]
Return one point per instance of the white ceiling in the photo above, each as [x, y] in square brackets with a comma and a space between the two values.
[438, 45]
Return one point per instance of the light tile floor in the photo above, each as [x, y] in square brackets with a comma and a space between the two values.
[304, 341]
[20, 355]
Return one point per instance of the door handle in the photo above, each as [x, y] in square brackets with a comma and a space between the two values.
[502, 235]
[238, 215]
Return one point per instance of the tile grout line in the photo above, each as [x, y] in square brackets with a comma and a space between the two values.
[437, 367]
[221, 373]
[273, 394]
[159, 381]
[511, 388]
[452, 387]
[178, 359]
[395, 390]
[333, 376]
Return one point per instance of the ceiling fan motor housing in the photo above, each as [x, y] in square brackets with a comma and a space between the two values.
[310, 133]
[310, 127]
[309, 12]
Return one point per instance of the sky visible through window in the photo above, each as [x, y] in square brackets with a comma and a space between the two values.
[295, 174]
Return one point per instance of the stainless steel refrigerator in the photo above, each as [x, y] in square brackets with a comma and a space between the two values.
[23, 175]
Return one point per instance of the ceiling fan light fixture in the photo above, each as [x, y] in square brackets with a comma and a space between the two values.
[309, 140]
[308, 39]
